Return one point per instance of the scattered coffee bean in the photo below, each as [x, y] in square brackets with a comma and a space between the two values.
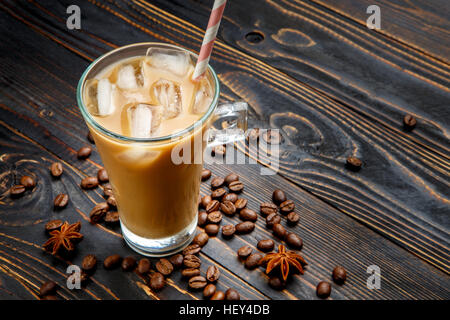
[293, 218]
[206, 200]
[89, 263]
[278, 196]
[28, 182]
[50, 297]
[206, 174]
[102, 175]
[294, 241]
[217, 182]
[202, 217]
[201, 239]
[276, 283]
[61, 201]
[339, 275]
[214, 217]
[214, 205]
[272, 136]
[192, 249]
[253, 134]
[353, 163]
[90, 137]
[197, 282]
[248, 215]
[191, 261]
[164, 267]
[112, 261]
[128, 263]
[218, 193]
[228, 230]
[209, 291]
[98, 212]
[228, 208]
[244, 252]
[143, 266]
[218, 295]
[409, 122]
[267, 208]
[112, 217]
[323, 289]
[84, 152]
[107, 190]
[212, 229]
[157, 281]
[279, 230]
[56, 169]
[253, 260]
[245, 227]
[53, 225]
[219, 151]
[236, 186]
[272, 219]
[232, 197]
[176, 261]
[47, 288]
[17, 191]
[232, 295]
[266, 245]
[89, 183]
[190, 272]
[212, 274]
[287, 206]
[112, 202]
[240, 203]
[231, 178]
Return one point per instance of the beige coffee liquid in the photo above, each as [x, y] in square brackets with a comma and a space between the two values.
[156, 198]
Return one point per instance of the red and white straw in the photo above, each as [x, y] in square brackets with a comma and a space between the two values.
[208, 39]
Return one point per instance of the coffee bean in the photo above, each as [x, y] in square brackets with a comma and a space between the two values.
[192, 249]
[202, 217]
[248, 215]
[47, 288]
[231, 178]
[28, 182]
[197, 282]
[56, 169]
[240, 203]
[276, 283]
[293, 218]
[50, 297]
[206, 200]
[112, 202]
[164, 267]
[212, 206]
[206, 174]
[217, 182]
[339, 275]
[209, 291]
[219, 150]
[214, 217]
[278, 196]
[253, 134]
[176, 261]
[84, 152]
[98, 212]
[244, 252]
[236, 186]
[143, 266]
[409, 122]
[287, 206]
[102, 175]
[228, 230]
[157, 281]
[228, 208]
[112, 217]
[212, 229]
[245, 227]
[212, 274]
[89, 183]
[272, 219]
[89, 263]
[266, 245]
[218, 295]
[190, 272]
[17, 191]
[201, 239]
[218, 193]
[53, 225]
[191, 261]
[232, 295]
[61, 201]
[112, 261]
[267, 208]
[323, 289]
[279, 230]
[294, 241]
[253, 260]
[128, 263]
[272, 136]
[199, 200]
[353, 163]
[107, 190]
[90, 137]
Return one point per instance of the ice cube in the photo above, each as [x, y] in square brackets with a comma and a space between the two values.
[137, 155]
[203, 95]
[100, 97]
[168, 94]
[172, 60]
[126, 78]
[141, 120]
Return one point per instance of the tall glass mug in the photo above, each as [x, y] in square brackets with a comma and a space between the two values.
[156, 193]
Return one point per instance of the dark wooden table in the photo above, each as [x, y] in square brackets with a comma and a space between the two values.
[310, 68]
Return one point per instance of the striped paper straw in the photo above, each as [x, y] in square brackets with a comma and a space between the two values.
[208, 39]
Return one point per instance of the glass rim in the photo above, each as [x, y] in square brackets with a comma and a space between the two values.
[88, 117]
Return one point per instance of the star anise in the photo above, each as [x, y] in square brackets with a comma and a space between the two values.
[284, 260]
[64, 238]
